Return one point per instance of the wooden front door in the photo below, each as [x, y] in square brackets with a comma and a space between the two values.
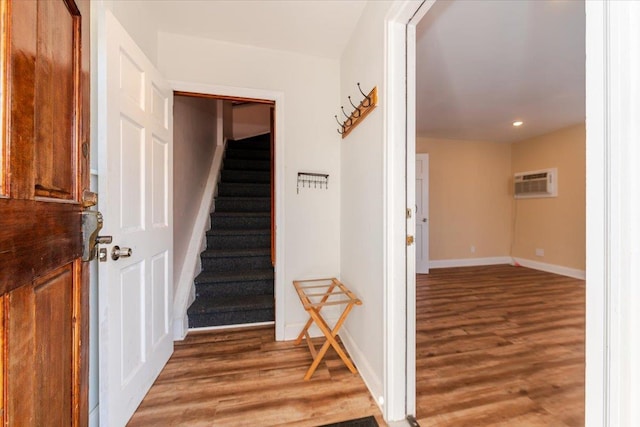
[44, 150]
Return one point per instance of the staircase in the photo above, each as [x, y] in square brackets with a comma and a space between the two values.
[236, 282]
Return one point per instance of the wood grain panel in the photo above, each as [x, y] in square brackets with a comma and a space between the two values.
[40, 235]
[53, 296]
[2, 357]
[39, 331]
[499, 345]
[21, 81]
[55, 100]
[3, 96]
[20, 360]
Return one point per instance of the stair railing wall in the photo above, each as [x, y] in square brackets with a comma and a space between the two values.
[185, 289]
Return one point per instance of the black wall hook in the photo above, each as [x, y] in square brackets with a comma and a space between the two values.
[365, 95]
[349, 121]
[341, 125]
[356, 108]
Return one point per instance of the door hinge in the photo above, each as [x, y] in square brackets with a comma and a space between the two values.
[408, 213]
[409, 240]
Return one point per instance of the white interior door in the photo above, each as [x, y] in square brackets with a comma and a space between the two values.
[422, 213]
[135, 183]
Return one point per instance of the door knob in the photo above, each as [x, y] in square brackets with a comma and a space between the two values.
[117, 252]
[424, 219]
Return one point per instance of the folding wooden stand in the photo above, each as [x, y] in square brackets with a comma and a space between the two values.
[329, 292]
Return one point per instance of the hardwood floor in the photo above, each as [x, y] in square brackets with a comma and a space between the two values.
[243, 377]
[496, 346]
[500, 346]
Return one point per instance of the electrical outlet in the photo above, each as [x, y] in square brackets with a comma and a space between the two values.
[539, 252]
[472, 249]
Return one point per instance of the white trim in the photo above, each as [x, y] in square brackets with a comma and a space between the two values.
[613, 232]
[278, 98]
[469, 262]
[367, 373]
[191, 265]
[230, 327]
[398, 330]
[596, 361]
[394, 221]
[94, 417]
[551, 268]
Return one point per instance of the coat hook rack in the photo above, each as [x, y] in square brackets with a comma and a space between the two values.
[368, 103]
[309, 179]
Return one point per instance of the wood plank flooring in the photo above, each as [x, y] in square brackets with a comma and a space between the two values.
[496, 346]
[243, 377]
[499, 346]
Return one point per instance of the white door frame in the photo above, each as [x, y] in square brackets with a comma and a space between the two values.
[278, 98]
[613, 206]
[399, 190]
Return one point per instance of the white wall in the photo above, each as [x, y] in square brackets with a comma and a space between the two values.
[361, 210]
[133, 15]
[194, 144]
[309, 88]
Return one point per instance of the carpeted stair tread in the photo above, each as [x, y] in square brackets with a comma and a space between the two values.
[242, 214]
[245, 176]
[241, 153]
[235, 303]
[260, 142]
[249, 198]
[243, 204]
[244, 189]
[236, 282]
[247, 164]
[232, 253]
[238, 232]
[234, 276]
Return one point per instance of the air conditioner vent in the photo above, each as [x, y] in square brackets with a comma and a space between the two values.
[542, 183]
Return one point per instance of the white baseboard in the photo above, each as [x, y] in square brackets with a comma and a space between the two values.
[184, 291]
[551, 268]
[469, 262]
[180, 328]
[368, 375]
[225, 327]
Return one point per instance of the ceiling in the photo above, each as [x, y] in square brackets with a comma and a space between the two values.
[313, 27]
[483, 64]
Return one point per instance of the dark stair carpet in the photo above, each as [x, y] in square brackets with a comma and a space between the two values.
[236, 282]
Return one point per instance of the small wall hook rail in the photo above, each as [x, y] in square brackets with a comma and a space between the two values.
[308, 179]
[368, 103]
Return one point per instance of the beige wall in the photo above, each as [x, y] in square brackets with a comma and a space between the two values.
[472, 204]
[469, 200]
[555, 224]
[194, 143]
[251, 120]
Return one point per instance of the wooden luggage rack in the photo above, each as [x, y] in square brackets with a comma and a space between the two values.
[314, 295]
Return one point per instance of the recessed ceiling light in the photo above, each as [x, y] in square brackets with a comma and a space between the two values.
[518, 123]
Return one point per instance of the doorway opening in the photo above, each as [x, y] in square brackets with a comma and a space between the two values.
[472, 255]
[224, 146]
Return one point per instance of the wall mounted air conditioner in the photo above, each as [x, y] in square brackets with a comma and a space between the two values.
[540, 183]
